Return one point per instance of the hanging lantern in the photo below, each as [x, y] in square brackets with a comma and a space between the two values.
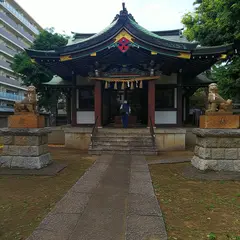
[132, 85]
[115, 85]
[123, 86]
[106, 85]
[141, 85]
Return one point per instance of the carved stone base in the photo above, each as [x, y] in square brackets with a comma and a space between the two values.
[26, 120]
[218, 113]
[217, 149]
[220, 121]
[25, 148]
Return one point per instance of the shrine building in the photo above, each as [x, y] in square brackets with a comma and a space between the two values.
[155, 71]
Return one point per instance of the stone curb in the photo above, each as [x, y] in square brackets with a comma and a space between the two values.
[62, 220]
[24, 132]
[144, 216]
[216, 132]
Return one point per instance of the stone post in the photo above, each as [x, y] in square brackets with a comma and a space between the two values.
[25, 140]
[217, 149]
[25, 148]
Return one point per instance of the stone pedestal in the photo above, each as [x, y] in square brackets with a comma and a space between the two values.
[220, 120]
[25, 148]
[217, 149]
[26, 120]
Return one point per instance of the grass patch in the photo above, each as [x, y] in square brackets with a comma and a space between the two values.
[195, 209]
[25, 200]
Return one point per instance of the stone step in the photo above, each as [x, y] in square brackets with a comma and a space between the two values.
[122, 138]
[124, 131]
[143, 134]
[123, 143]
[127, 152]
[122, 148]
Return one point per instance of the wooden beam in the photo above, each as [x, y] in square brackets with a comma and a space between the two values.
[179, 101]
[151, 102]
[74, 99]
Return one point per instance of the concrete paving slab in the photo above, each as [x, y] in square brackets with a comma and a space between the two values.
[138, 160]
[145, 205]
[90, 180]
[139, 168]
[141, 183]
[145, 228]
[104, 159]
[170, 161]
[42, 234]
[58, 224]
[113, 200]
[104, 216]
[72, 202]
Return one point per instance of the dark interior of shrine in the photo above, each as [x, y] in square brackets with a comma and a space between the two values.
[137, 98]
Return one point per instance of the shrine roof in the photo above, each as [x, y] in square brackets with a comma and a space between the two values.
[169, 49]
[170, 39]
[156, 41]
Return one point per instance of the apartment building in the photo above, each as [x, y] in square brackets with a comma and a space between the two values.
[17, 31]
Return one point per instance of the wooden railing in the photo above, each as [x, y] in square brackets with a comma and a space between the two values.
[94, 130]
[152, 130]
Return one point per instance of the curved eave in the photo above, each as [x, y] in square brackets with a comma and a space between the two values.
[58, 81]
[140, 34]
[213, 50]
[42, 54]
[174, 32]
[142, 37]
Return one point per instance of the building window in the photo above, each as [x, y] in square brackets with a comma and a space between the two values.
[164, 98]
[86, 99]
[10, 91]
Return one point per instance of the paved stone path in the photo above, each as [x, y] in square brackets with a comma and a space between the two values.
[114, 200]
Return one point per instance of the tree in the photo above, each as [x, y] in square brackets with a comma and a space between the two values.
[217, 22]
[35, 74]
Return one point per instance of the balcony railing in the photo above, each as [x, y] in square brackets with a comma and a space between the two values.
[6, 65]
[21, 31]
[6, 109]
[19, 16]
[10, 96]
[12, 39]
[7, 50]
[11, 82]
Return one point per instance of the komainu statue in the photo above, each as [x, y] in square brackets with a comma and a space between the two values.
[29, 103]
[216, 103]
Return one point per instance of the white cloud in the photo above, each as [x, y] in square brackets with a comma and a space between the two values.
[94, 15]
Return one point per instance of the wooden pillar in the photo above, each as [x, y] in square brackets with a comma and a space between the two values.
[179, 101]
[98, 102]
[187, 108]
[54, 110]
[74, 100]
[151, 102]
[68, 107]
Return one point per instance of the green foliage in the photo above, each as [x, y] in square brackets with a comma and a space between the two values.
[35, 74]
[228, 77]
[212, 236]
[217, 22]
[48, 40]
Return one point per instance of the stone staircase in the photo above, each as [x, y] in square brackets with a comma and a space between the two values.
[123, 141]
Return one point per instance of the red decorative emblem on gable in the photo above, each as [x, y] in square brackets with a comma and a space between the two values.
[123, 44]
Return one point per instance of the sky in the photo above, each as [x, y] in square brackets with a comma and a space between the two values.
[92, 16]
